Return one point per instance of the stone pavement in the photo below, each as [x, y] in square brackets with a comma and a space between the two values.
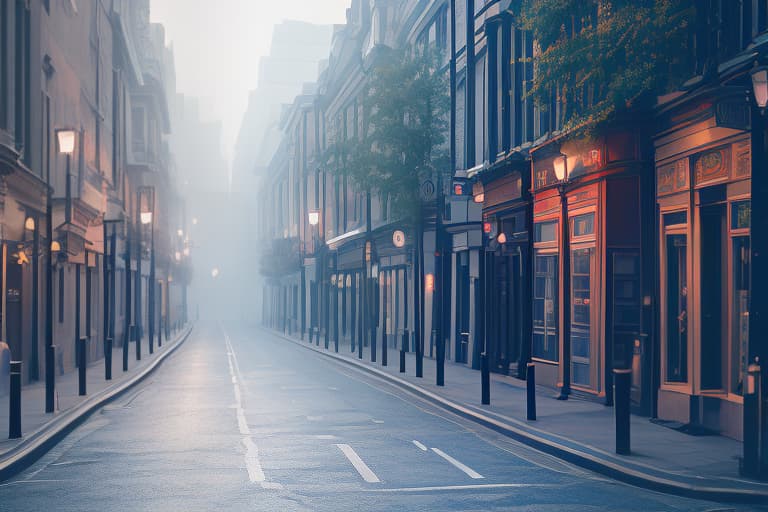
[576, 430]
[40, 429]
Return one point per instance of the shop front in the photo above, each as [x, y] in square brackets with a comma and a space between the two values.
[506, 214]
[591, 306]
[703, 169]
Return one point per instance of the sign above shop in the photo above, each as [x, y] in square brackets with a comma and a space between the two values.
[398, 238]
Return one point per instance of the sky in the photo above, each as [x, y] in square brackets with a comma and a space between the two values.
[217, 46]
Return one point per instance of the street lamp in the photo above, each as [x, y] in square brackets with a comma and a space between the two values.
[66, 140]
[755, 433]
[147, 219]
[560, 165]
[313, 217]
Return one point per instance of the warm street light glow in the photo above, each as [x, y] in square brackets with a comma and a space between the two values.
[55, 246]
[502, 238]
[486, 227]
[560, 167]
[314, 218]
[479, 198]
[186, 251]
[215, 272]
[760, 85]
[66, 141]
[180, 232]
[429, 282]
[29, 224]
[146, 217]
[177, 256]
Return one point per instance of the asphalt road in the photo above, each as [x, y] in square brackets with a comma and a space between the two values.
[241, 420]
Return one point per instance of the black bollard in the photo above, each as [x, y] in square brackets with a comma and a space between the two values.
[403, 348]
[622, 380]
[530, 382]
[485, 379]
[384, 349]
[108, 359]
[14, 425]
[82, 343]
[402, 361]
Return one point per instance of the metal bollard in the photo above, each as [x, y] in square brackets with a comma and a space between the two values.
[750, 462]
[108, 359]
[485, 379]
[384, 348]
[82, 344]
[14, 424]
[530, 384]
[622, 380]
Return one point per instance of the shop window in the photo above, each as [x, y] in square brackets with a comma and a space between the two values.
[741, 215]
[581, 300]
[677, 309]
[545, 343]
[545, 231]
[583, 224]
[740, 312]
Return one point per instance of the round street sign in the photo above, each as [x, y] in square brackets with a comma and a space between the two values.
[427, 190]
[398, 238]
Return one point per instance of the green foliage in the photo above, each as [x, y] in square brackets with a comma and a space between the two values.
[602, 57]
[404, 129]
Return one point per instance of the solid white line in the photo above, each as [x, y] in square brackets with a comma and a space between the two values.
[421, 446]
[469, 471]
[241, 423]
[459, 487]
[252, 464]
[365, 472]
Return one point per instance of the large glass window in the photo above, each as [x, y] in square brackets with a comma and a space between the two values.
[676, 288]
[545, 344]
[581, 299]
[740, 312]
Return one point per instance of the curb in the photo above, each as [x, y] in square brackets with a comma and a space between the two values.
[37, 443]
[570, 454]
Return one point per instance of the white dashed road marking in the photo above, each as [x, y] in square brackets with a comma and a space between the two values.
[365, 472]
[466, 469]
[420, 446]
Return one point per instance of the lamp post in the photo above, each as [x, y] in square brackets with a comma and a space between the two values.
[66, 140]
[313, 217]
[31, 224]
[148, 219]
[560, 165]
[755, 423]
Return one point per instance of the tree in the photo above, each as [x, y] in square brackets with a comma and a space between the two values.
[597, 58]
[404, 129]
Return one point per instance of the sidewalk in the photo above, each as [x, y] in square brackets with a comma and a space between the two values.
[582, 432]
[41, 431]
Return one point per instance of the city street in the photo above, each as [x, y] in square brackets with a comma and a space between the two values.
[243, 420]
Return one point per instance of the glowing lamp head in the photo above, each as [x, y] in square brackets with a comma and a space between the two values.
[186, 251]
[194, 221]
[66, 141]
[146, 218]
[55, 246]
[177, 256]
[760, 85]
[314, 218]
[215, 272]
[486, 227]
[559, 164]
[180, 232]
[29, 224]
[429, 282]
[502, 238]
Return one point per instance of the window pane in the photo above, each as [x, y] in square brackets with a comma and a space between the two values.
[677, 309]
[740, 313]
[581, 298]
[741, 214]
[673, 219]
[584, 224]
[545, 231]
[545, 341]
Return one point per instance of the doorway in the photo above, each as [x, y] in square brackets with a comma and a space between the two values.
[713, 289]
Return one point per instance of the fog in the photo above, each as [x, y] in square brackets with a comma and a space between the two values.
[225, 112]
